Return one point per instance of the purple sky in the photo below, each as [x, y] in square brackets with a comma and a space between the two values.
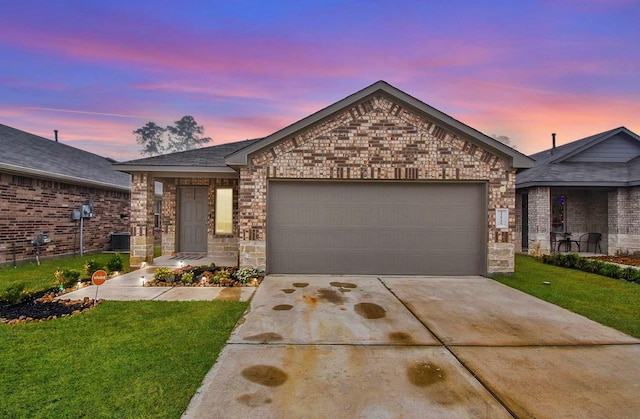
[97, 70]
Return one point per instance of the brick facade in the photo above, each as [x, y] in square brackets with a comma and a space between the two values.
[376, 140]
[624, 213]
[29, 205]
[613, 213]
[225, 246]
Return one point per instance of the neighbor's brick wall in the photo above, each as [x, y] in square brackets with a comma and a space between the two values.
[217, 245]
[539, 221]
[624, 228]
[29, 205]
[377, 139]
[587, 212]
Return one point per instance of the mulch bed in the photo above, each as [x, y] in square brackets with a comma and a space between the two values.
[623, 260]
[41, 307]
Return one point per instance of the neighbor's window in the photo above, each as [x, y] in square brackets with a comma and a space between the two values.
[224, 211]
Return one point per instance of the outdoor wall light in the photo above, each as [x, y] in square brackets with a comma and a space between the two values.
[142, 280]
[180, 264]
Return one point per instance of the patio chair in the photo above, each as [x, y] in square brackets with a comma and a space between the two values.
[592, 238]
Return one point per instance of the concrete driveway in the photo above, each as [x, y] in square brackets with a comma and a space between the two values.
[388, 347]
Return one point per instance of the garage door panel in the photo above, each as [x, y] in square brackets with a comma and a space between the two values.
[376, 228]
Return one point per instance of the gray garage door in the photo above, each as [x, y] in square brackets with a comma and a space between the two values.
[376, 228]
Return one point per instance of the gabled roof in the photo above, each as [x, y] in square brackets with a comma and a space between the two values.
[610, 158]
[27, 154]
[518, 160]
[200, 160]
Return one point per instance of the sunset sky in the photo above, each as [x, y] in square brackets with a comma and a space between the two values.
[97, 70]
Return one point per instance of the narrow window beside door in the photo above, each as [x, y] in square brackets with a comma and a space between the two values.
[224, 211]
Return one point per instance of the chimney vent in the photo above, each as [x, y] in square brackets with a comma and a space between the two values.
[55, 132]
[553, 140]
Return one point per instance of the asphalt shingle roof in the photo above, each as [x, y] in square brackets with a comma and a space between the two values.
[212, 156]
[551, 169]
[33, 155]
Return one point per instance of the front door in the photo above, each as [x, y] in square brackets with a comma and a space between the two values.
[193, 219]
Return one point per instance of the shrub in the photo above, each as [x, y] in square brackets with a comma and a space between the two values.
[71, 277]
[631, 274]
[187, 278]
[223, 275]
[610, 270]
[244, 275]
[115, 263]
[164, 275]
[14, 294]
[91, 266]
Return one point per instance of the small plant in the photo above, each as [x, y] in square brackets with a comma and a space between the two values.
[244, 275]
[115, 263]
[207, 276]
[631, 274]
[187, 278]
[14, 294]
[610, 270]
[164, 275]
[59, 277]
[71, 277]
[91, 266]
[221, 276]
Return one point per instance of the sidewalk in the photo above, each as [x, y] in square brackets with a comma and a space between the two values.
[129, 287]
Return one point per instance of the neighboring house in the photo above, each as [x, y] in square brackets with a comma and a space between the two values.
[377, 183]
[42, 182]
[586, 186]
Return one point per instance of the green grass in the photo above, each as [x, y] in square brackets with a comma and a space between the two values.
[141, 359]
[40, 277]
[612, 302]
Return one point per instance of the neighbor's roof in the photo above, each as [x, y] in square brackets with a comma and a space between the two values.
[611, 158]
[27, 154]
[199, 160]
[518, 160]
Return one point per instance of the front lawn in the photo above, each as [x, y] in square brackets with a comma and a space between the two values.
[612, 302]
[142, 359]
[41, 277]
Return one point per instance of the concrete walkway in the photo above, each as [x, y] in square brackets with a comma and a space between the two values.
[128, 287]
[387, 347]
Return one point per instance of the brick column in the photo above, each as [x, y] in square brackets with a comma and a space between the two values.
[142, 200]
[539, 221]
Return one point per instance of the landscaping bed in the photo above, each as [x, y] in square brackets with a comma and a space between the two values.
[206, 276]
[622, 260]
[41, 306]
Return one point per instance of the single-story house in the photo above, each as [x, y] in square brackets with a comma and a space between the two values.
[590, 185]
[378, 182]
[42, 183]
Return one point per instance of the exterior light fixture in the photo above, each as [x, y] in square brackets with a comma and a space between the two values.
[142, 280]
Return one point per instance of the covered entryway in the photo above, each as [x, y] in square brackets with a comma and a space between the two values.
[404, 228]
[193, 219]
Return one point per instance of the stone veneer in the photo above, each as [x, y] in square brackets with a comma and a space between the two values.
[32, 205]
[376, 140]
